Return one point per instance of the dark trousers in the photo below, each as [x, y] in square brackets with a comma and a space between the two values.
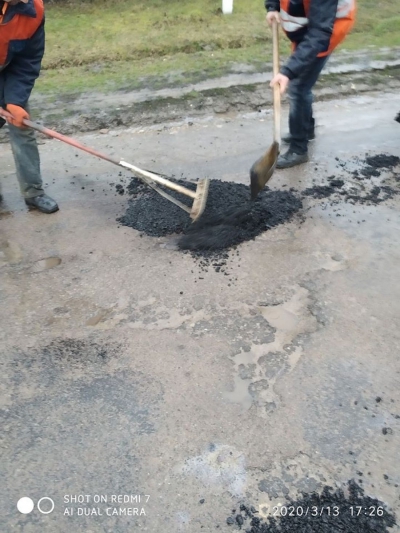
[27, 161]
[301, 120]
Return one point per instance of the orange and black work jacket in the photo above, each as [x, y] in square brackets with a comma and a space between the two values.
[315, 28]
[21, 50]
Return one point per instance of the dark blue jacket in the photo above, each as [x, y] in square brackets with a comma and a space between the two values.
[23, 57]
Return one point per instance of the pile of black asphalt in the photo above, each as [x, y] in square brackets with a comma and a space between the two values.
[231, 218]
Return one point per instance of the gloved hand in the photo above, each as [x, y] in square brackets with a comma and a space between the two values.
[18, 113]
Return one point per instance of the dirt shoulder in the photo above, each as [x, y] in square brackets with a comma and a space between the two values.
[241, 92]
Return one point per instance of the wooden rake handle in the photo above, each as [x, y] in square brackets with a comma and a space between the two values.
[277, 93]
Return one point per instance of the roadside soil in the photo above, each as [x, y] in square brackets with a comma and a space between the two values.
[69, 114]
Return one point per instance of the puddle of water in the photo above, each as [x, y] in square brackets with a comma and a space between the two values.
[98, 317]
[288, 320]
[286, 317]
[46, 264]
[281, 318]
[240, 393]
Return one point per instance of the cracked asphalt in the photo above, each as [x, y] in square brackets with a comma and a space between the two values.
[127, 369]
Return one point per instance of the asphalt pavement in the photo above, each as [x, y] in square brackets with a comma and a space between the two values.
[144, 392]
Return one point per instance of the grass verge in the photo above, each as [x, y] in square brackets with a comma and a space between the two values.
[129, 44]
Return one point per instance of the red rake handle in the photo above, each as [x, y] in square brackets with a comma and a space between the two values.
[53, 134]
[148, 177]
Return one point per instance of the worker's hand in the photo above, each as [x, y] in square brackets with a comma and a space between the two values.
[281, 80]
[18, 113]
[273, 15]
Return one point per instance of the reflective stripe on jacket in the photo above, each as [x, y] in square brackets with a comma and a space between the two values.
[315, 28]
[344, 20]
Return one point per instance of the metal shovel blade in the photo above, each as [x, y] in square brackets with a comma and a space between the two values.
[262, 170]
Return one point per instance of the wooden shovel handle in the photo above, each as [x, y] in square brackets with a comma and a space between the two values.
[277, 94]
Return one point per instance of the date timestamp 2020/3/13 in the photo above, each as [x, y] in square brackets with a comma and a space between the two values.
[333, 511]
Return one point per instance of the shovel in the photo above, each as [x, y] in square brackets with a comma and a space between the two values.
[262, 170]
[199, 196]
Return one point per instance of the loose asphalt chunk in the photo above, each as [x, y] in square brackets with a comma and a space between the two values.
[367, 168]
[324, 191]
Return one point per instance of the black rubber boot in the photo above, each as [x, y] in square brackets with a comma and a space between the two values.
[291, 159]
[43, 203]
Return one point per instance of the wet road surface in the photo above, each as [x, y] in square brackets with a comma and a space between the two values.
[127, 369]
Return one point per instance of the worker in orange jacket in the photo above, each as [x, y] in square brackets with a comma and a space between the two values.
[315, 27]
[21, 53]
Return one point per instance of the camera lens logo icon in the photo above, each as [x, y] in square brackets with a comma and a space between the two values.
[45, 505]
[25, 505]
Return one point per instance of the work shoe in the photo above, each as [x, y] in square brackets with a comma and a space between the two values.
[291, 159]
[288, 137]
[43, 203]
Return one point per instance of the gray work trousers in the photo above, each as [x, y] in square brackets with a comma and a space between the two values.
[27, 161]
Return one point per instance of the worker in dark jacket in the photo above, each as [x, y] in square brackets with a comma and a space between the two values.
[21, 53]
[315, 28]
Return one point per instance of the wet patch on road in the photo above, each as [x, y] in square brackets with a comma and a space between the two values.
[74, 352]
[328, 511]
[219, 466]
[242, 328]
[40, 368]
[10, 252]
[46, 264]
[260, 365]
